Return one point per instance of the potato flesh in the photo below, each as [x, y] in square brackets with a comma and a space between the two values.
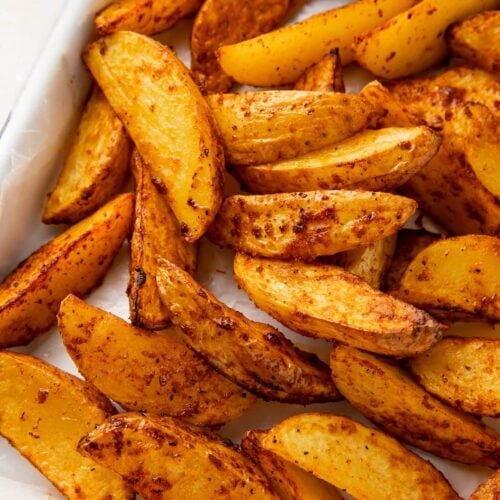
[489, 489]
[324, 76]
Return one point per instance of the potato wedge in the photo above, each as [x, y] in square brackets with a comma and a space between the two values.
[281, 56]
[254, 355]
[324, 76]
[41, 416]
[463, 372]
[73, 262]
[362, 461]
[165, 458]
[96, 165]
[489, 490]
[326, 302]
[144, 371]
[388, 396]
[373, 160]
[267, 126]
[169, 121]
[307, 225]
[156, 234]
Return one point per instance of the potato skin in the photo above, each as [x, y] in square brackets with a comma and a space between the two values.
[489, 490]
[324, 76]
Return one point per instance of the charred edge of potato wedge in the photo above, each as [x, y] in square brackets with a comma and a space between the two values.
[324, 76]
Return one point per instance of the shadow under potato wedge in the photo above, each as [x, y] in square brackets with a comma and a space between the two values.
[327, 75]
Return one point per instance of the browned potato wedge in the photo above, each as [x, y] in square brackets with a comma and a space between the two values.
[489, 490]
[95, 167]
[307, 225]
[388, 396]
[144, 371]
[43, 414]
[373, 160]
[325, 301]
[156, 234]
[325, 76]
[262, 127]
[73, 262]
[364, 462]
[254, 355]
[165, 458]
[463, 372]
[169, 121]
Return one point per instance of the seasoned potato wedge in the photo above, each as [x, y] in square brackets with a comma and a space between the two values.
[73, 262]
[373, 160]
[144, 371]
[262, 127]
[364, 462]
[325, 301]
[254, 355]
[463, 372]
[169, 121]
[307, 225]
[388, 396]
[489, 490]
[41, 416]
[165, 458]
[326, 75]
[156, 234]
[95, 167]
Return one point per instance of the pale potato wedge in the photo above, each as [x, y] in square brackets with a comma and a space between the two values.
[156, 234]
[364, 462]
[373, 160]
[307, 225]
[169, 121]
[96, 165]
[388, 396]
[463, 372]
[254, 355]
[41, 416]
[489, 490]
[145, 371]
[325, 301]
[73, 262]
[326, 75]
[267, 126]
[165, 458]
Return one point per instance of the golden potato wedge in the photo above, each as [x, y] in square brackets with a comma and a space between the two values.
[413, 41]
[307, 225]
[156, 234]
[324, 301]
[96, 165]
[214, 26]
[288, 480]
[325, 76]
[281, 56]
[169, 121]
[41, 416]
[267, 126]
[364, 462]
[73, 262]
[388, 396]
[143, 16]
[489, 490]
[463, 372]
[254, 355]
[165, 458]
[373, 160]
[144, 371]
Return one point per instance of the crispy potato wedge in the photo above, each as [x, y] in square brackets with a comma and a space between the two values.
[156, 234]
[73, 262]
[165, 458]
[324, 301]
[307, 225]
[281, 56]
[169, 121]
[489, 490]
[143, 16]
[362, 461]
[463, 372]
[214, 26]
[388, 396]
[267, 126]
[96, 165]
[288, 480]
[326, 75]
[144, 371]
[41, 416]
[254, 355]
[373, 160]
